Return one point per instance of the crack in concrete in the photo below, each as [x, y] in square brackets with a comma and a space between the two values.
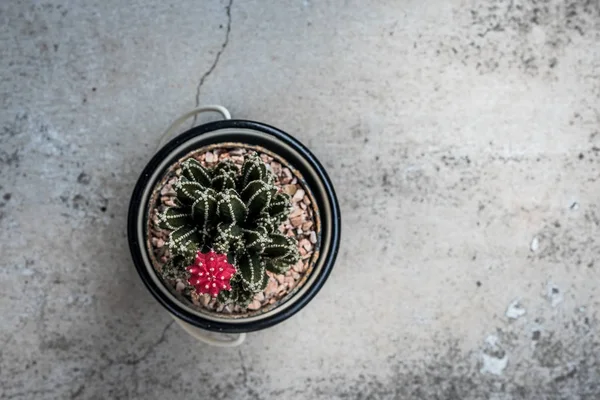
[81, 389]
[251, 392]
[215, 61]
[244, 370]
[41, 323]
[150, 349]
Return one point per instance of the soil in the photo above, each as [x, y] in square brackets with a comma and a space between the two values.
[301, 224]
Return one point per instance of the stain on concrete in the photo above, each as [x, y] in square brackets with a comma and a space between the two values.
[59, 343]
[528, 36]
[84, 179]
[454, 375]
[79, 202]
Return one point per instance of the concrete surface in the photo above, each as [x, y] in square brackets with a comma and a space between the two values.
[463, 139]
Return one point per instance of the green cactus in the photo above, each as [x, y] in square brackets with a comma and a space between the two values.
[233, 212]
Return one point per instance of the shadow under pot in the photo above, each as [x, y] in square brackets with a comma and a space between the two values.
[233, 226]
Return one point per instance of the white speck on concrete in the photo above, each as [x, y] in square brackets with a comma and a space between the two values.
[554, 294]
[493, 365]
[492, 341]
[27, 272]
[535, 244]
[494, 358]
[515, 310]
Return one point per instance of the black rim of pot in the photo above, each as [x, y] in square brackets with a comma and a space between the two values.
[276, 136]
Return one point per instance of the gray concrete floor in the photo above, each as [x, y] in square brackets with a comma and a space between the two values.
[463, 138]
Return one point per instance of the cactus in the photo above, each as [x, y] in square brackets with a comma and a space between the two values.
[234, 213]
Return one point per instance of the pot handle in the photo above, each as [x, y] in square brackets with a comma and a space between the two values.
[173, 127]
[203, 336]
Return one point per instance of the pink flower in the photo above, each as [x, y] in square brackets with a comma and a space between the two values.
[210, 273]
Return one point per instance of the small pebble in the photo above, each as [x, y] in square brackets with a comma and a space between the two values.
[307, 225]
[204, 300]
[313, 237]
[306, 200]
[169, 202]
[290, 281]
[271, 287]
[280, 278]
[290, 189]
[298, 196]
[296, 221]
[260, 296]
[298, 267]
[297, 211]
[209, 157]
[237, 152]
[276, 168]
[295, 275]
[306, 244]
[255, 305]
[281, 289]
[167, 190]
[180, 286]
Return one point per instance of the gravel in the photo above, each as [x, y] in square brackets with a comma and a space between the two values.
[299, 225]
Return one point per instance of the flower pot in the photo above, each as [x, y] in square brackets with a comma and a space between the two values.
[218, 138]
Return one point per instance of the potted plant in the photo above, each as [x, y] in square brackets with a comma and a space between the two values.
[233, 226]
